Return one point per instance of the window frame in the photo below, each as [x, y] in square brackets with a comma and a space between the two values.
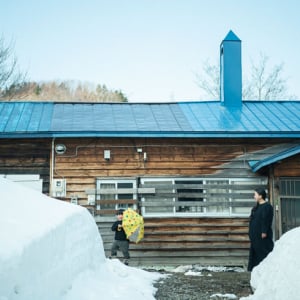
[252, 182]
[115, 182]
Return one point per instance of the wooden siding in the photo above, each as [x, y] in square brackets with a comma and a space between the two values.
[83, 162]
[26, 157]
[177, 241]
[289, 167]
[172, 240]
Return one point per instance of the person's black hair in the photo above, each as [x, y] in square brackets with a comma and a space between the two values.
[261, 192]
[120, 211]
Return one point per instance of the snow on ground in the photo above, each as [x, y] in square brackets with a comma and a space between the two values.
[188, 269]
[196, 270]
[223, 296]
[277, 276]
[52, 250]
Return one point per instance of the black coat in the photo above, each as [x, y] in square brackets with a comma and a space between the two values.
[260, 222]
[120, 234]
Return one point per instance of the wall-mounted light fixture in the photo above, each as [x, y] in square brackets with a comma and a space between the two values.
[107, 154]
[60, 148]
[145, 156]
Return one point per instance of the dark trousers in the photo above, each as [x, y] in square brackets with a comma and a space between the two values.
[259, 250]
[122, 246]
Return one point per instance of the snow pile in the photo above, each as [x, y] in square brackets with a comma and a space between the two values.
[113, 281]
[277, 276]
[52, 250]
[223, 296]
[192, 273]
[196, 270]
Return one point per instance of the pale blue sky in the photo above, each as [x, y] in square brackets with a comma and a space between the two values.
[149, 49]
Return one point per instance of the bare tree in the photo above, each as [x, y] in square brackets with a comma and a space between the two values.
[265, 83]
[10, 76]
[209, 80]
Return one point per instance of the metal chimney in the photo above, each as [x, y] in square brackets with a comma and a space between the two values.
[231, 71]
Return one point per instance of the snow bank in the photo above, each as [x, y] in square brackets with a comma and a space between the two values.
[277, 276]
[44, 243]
[52, 250]
[112, 281]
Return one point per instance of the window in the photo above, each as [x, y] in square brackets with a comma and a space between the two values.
[114, 194]
[199, 196]
[188, 192]
[289, 186]
[217, 200]
[240, 192]
[162, 202]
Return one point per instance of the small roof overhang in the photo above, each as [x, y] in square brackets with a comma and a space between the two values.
[256, 165]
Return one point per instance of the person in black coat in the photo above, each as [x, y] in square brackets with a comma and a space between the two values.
[260, 229]
[121, 242]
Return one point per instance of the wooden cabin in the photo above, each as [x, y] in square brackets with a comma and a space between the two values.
[189, 168]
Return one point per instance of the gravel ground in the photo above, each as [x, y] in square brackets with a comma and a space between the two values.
[204, 285]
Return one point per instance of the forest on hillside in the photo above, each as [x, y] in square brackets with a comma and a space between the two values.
[15, 85]
[62, 91]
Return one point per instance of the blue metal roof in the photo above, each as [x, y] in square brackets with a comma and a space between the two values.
[183, 119]
[25, 117]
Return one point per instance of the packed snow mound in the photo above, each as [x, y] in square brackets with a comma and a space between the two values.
[52, 250]
[114, 280]
[277, 276]
[44, 243]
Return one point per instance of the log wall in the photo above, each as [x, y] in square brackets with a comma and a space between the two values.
[84, 160]
[289, 167]
[181, 241]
